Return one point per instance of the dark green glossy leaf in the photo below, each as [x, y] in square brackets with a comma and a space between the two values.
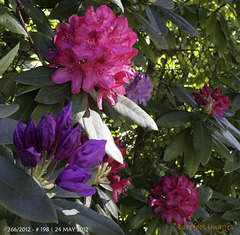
[96, 223]
[33, 11]
[53, 94]
[140, 194]
[219, 39]
[191, 161]
[7, 127]
[7, 59]
[64, 9]
[134, 113]
[7, 153]
[232, 129]
[204, 195]
[202, 15]
[157, 21]
[7, 110]
[21, 195]
[10, 22]
[218, 206]
[177, 145]
[224, 27]
[185, 95]
[174, 119]
[137, 221]
[221, 148]
[152, 225]
[43, 43]
[202, 142]
[40, 76]
[168, 4]
[7, 86]
[179, 21]
[109, 111]
[233, 201]
[200, 213]
[23, 89]
[211, 23]
[150, 30]
[232, 215]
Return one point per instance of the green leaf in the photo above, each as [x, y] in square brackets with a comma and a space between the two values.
[97, 129]
[4, 227]
[200, 213]
[7, 127]
[224, 27]
[202, 142]
[219, 39]
[134, 113]
[65, 9]
[34, 12]
[179, 21]
[204, 195]
[152, 225]
[221, 148]
[233, 201]
[202, 15]
[175, 119]
[41, 109]
[185, 95]
[26, 106]
[118, 3]
[232, 129]
[8, 58]
[145, 48]
[53, 94]
[23, 89]
[109, 111]
[137, 221]
[7, 153]
[231, 215]
[150, 30]
[108, 203]
[140, 194]
[43, 43]
[7, 86]
[40, 76]
[10, 22]
[168, 4]
[211, 23]
[96, 223]
[177, 145]
[191, 161]
[7, 110]
[157, 21]
[21, 195]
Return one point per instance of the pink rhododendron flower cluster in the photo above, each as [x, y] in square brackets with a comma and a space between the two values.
[94, 51]
[213, 102]
[175, 198]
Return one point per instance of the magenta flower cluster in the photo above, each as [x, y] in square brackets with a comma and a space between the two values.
[53, 140]
[214, 102]
[94, 51]
[175, 198]
[140, 90]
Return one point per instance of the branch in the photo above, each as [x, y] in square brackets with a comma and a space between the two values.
[18, 10]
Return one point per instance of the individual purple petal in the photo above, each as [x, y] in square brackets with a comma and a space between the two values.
[88, 155]
[29, 157]
[18, 137]
[46, 132]
[63, 122]
[69, 143]
[74, 179]
[30, 135]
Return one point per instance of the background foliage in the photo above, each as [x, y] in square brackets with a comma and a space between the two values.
[182, 45]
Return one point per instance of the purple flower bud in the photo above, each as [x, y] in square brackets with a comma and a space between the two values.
[140, 90]
[205, 92]
[198, 98]
[74, 179]
[46, 132]
[216, 95]
[29, 157]
[88, 155]
[30, 135]
[69, 143]
[18, 137]
[64, 122]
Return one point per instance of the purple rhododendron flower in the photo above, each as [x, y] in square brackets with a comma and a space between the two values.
[175, 198]
[140, 90]
[74, 179]
[213, 102]
[54, 140]
[94, 50]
